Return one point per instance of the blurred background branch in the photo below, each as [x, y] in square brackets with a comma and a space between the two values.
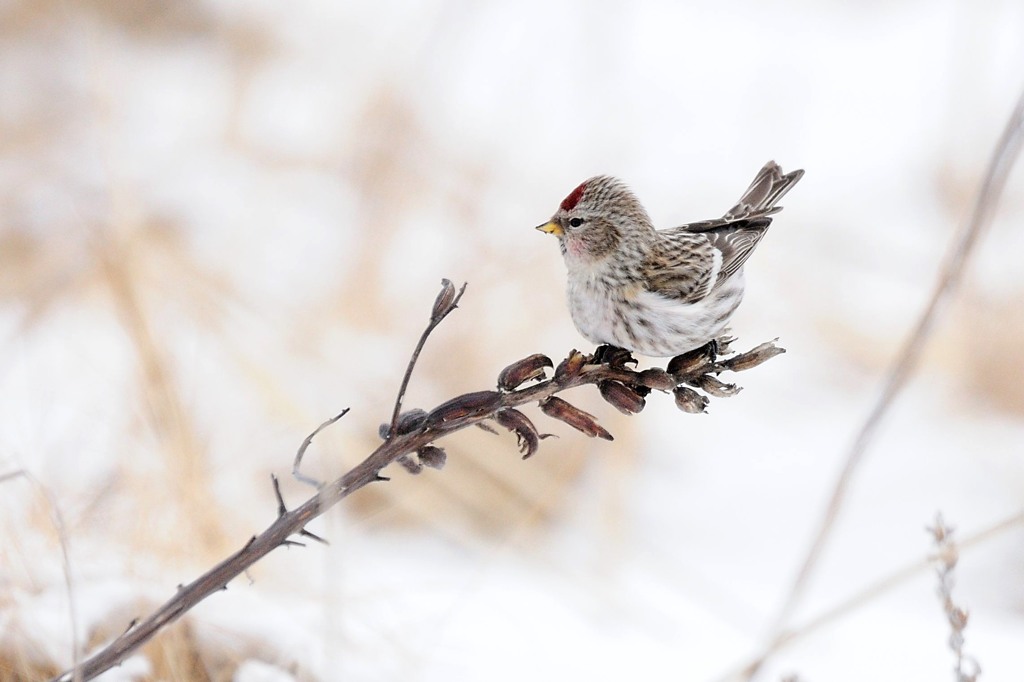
[1004, 156]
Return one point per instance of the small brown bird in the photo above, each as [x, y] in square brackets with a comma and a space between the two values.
[658, 292]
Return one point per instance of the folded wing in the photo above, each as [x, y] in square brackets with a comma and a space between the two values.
[688, 262]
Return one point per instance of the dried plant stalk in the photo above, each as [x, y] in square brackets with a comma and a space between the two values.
[409, 437]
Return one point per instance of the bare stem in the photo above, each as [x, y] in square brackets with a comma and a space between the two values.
[305, 446]
[446, 302]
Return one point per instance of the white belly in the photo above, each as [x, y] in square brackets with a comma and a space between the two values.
[649, 323]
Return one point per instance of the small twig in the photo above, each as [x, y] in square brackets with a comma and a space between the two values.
[1004, 156]
[414, 432]
[967, 668]
[445, 303]
[302, 451]
[282, 509]
[12, 475]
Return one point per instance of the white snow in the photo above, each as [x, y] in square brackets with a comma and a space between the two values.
[222, 223]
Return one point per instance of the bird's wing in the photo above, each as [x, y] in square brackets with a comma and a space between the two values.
[735, 234]
[733, 239]
[680, 266]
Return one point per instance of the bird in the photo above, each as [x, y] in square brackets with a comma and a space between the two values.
[659, 293]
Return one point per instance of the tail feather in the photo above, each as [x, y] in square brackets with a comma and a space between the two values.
[760, 199]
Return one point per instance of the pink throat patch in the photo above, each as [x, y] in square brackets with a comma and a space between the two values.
[574, 197]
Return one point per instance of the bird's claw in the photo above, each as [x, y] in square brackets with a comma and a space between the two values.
[613, 356]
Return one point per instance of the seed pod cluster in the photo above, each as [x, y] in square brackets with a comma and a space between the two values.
[432, 456]
[754, 357]
[427, 456]
[444, 302]
[408, 422]
[526, 433]
[624, 398]
[657, 379]
[688, 400]
[716, 387]
[692, 362]
[570, 368]
[624, 388]
[574, 417]
[465, 406]
[519, 373]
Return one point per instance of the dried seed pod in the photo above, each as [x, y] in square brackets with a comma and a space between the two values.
[432, 456]
[569, 368]
[525, 370]
[622, 397]
[688, 400]
[717, 387]
[692, 361]
[656, 378]
[444, 302]
[518, 423]
[410, 464]
[754, 357]
[465, 406]
[408, 422]
[574, 417]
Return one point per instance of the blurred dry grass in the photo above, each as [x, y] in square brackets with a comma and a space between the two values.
[979, 344]
[129, 266]
[139, 267]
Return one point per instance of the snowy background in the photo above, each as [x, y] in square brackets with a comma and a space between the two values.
[222, 222]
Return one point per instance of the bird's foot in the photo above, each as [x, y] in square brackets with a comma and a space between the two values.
[720, 346]
[613, 356]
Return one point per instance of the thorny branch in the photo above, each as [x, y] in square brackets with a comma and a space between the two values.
[410, 436]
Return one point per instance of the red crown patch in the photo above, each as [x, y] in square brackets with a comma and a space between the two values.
[574, 197]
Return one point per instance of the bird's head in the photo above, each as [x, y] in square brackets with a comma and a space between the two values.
[596, 218]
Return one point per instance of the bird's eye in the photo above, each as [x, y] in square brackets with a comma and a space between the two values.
[575, 222]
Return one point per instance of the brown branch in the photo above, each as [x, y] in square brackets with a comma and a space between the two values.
[413, 433]
[1005, 154]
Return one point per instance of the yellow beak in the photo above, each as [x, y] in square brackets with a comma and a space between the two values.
[552, 228]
